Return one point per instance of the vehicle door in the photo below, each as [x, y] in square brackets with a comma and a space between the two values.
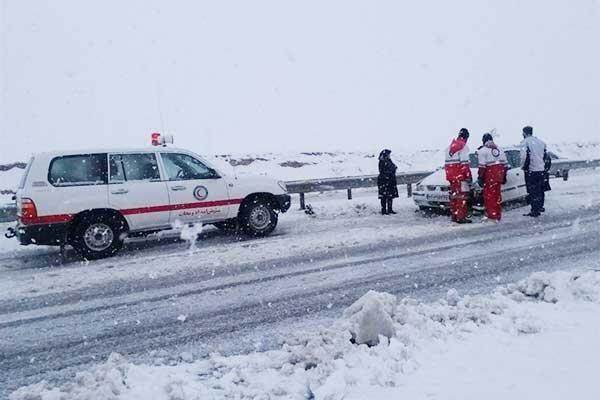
[197, 192]
[514, 188]
[137, 190]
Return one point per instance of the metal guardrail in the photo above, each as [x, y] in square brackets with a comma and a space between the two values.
[559, 169]
[350, 182]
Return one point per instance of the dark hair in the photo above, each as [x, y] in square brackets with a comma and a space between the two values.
[463, 133]
[528, 130]
[487, 137]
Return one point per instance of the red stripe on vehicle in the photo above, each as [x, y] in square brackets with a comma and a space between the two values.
[184, 206]
[63, 218]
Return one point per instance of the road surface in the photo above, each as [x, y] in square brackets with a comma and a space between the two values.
[241, 301]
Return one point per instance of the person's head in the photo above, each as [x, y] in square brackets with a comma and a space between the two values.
[385, 153]
[527, 131]
[464, 133]
[487, 138]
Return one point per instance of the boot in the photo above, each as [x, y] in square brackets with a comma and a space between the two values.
[464, 221]
[389, 206]
[384, 210]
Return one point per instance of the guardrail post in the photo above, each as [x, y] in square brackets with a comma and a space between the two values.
[409, 189]
[565, 175]
[302, 204]
[349, 194]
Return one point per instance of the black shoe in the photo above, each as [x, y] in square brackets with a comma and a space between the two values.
[392, 212]
[384, 212]
[534, 215]
[543, 209]
[464, 221]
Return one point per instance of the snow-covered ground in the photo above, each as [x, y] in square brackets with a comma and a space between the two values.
[537, 338]
[165, 300]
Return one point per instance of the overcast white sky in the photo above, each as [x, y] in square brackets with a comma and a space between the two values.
[253, 76]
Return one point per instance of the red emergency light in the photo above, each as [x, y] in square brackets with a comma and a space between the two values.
[155, 139]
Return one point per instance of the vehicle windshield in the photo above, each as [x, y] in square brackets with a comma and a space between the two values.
[513, 157]
[473, 160]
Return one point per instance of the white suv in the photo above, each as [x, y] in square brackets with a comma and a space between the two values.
[92, 200]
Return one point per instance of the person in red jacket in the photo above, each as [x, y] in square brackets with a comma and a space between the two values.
[492, 175]
[458, 173]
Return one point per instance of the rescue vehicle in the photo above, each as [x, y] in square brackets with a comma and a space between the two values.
[92, 200]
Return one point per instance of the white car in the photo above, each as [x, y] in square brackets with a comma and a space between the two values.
[93, 199]
[433, 191]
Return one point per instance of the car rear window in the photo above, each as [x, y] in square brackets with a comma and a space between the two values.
[78, 170]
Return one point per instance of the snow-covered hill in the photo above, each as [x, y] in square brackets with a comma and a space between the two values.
[309, 165]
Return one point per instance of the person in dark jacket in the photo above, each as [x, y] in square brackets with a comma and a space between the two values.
[386, 182]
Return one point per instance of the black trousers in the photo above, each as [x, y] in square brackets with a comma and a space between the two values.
[386, 204]
[535, 190]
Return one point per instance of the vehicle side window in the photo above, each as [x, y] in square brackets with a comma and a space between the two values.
[514, 158]
[133, 167]
[78, 170]
[182, 167]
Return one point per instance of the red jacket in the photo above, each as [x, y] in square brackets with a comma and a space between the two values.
[457, 161]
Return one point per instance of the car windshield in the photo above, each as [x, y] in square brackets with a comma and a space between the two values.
[513, 157]
[473, 160]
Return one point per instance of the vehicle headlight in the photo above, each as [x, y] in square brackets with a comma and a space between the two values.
[282, 185]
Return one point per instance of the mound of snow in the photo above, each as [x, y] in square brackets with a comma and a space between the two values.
[370, 317]
[327, 365]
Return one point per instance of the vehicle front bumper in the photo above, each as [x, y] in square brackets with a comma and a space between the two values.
[43, 234]
[421, 200]
[284, 202]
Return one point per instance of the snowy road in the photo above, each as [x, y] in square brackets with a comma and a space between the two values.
[231, 296]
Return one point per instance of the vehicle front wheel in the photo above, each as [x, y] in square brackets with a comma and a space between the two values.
[98, 236]
[258, 218]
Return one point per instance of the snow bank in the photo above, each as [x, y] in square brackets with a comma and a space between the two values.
[327, 365]
[370, 317]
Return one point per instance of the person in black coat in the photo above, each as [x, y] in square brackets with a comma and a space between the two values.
[386, 182]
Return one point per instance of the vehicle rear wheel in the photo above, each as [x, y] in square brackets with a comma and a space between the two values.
[98, 236]
[258, 218]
